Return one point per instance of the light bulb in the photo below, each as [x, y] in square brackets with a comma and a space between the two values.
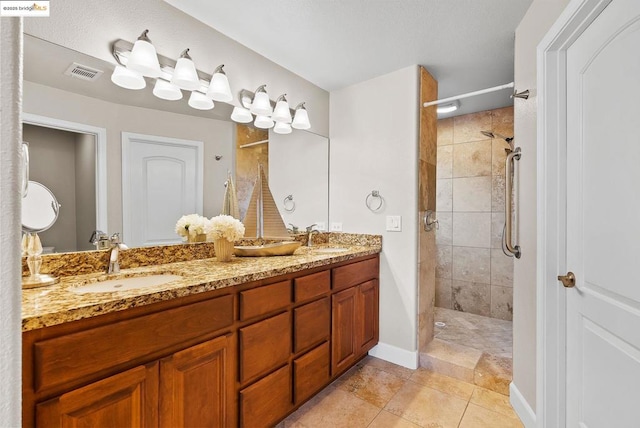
[241, 115]
[166, 90]
[185, 75]
[200, 101]
[282, 128]
[144, 58]
[263, 122]
[219, 89]
[127, 79]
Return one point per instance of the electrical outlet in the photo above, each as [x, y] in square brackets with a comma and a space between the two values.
[321, 226]
[394, 223]
[336, 226]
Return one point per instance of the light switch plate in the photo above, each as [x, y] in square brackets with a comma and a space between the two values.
[394, 223]
[321, 226]
[336, 226]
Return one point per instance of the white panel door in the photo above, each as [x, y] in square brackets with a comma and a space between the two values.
[603, 221]
[161, 181]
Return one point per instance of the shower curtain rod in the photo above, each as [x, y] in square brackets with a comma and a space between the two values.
[470, 94]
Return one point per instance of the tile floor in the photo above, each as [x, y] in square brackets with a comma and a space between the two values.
[379, 394]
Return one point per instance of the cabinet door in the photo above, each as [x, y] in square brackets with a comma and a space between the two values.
[343, 330]
[368, 316]
[128, 399]
[197, 385]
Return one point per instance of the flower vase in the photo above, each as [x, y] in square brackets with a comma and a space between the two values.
[201, 237]
[223, 249]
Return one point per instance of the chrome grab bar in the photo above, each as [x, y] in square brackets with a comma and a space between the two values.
[507, 235]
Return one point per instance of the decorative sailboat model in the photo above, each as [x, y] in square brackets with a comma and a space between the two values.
[263, 221]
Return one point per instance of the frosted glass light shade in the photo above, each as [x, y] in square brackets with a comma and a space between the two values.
[282, 128]
[301, 119]
[219, 89]
[127, 79]
[166, 90]
[282, 113]
[263, 122]
[144, 59]
[241, 115]
[185, 75]
[261, 105]
[200, 101]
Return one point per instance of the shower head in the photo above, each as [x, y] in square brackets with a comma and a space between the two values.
[489, 134]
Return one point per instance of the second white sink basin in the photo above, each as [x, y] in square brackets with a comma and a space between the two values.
[329, 250]
[126, 284]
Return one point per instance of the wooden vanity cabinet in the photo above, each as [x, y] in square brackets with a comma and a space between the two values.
[241, 356]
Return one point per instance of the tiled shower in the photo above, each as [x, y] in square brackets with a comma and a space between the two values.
[472, 274]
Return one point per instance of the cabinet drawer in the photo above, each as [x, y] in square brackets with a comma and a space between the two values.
[354, 274]
[264, 346]
[310, 286]
[66, 359]
[262, 300]
[312, 324]
[311, 372]
[267, 401]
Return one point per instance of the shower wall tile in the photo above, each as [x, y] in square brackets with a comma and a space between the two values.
[472, 194]
[498, 156]
[502, 121]
[444, 231]
[467, 128]
[502, 302]
[471, 297]
[444, 194]
[501, 269]
[472, 230]
[472, 159]
[445, 131]
[443, 261]
[497, 193]
[443, 293]
[497, 224]
[471, 264]
[445, 161]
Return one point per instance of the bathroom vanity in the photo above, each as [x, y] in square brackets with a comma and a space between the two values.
[237, 344]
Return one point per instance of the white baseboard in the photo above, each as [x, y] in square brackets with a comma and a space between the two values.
[521, 407]
[395, 355]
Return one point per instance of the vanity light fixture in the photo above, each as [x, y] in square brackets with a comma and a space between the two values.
[241, 115]
[144, 58]
[166, 90]
[185, 75]
[263, 122]
[127, 79]
[282, 113]
[282, 128]
[219, 89]
[301, 118]
[261, 105]
[448, 108]
[200, 101]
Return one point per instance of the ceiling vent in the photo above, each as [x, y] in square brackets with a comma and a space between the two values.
[83, 72]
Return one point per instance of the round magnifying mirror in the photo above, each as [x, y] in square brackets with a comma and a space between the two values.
[39, 208]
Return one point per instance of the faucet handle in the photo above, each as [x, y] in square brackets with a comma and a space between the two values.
[96, 236]
[310, 228]
[115, 238]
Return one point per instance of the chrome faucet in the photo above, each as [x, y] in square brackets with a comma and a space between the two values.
[310, 230]
[100, 240]
[116, 246]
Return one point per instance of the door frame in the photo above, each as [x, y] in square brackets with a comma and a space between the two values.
[100, 134]
[552, 182]
[127, 139]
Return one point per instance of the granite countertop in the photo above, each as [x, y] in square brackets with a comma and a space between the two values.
[57, 304]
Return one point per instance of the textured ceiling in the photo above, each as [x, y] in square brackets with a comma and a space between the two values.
[466, 44]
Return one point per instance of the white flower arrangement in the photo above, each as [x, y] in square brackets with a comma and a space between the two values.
[191, 224]
[225, 226]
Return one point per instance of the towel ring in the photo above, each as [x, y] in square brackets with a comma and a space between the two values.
[289, 204]
[371, 203]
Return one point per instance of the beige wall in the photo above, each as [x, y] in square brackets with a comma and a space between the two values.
[218, 137]
[473, 275]
[539, 18]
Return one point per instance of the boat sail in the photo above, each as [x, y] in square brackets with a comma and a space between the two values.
[263, 220]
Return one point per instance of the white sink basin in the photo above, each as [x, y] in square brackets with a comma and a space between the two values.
[126, 284]
[329, 250]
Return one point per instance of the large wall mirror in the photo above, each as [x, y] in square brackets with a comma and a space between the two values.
[84, 137]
